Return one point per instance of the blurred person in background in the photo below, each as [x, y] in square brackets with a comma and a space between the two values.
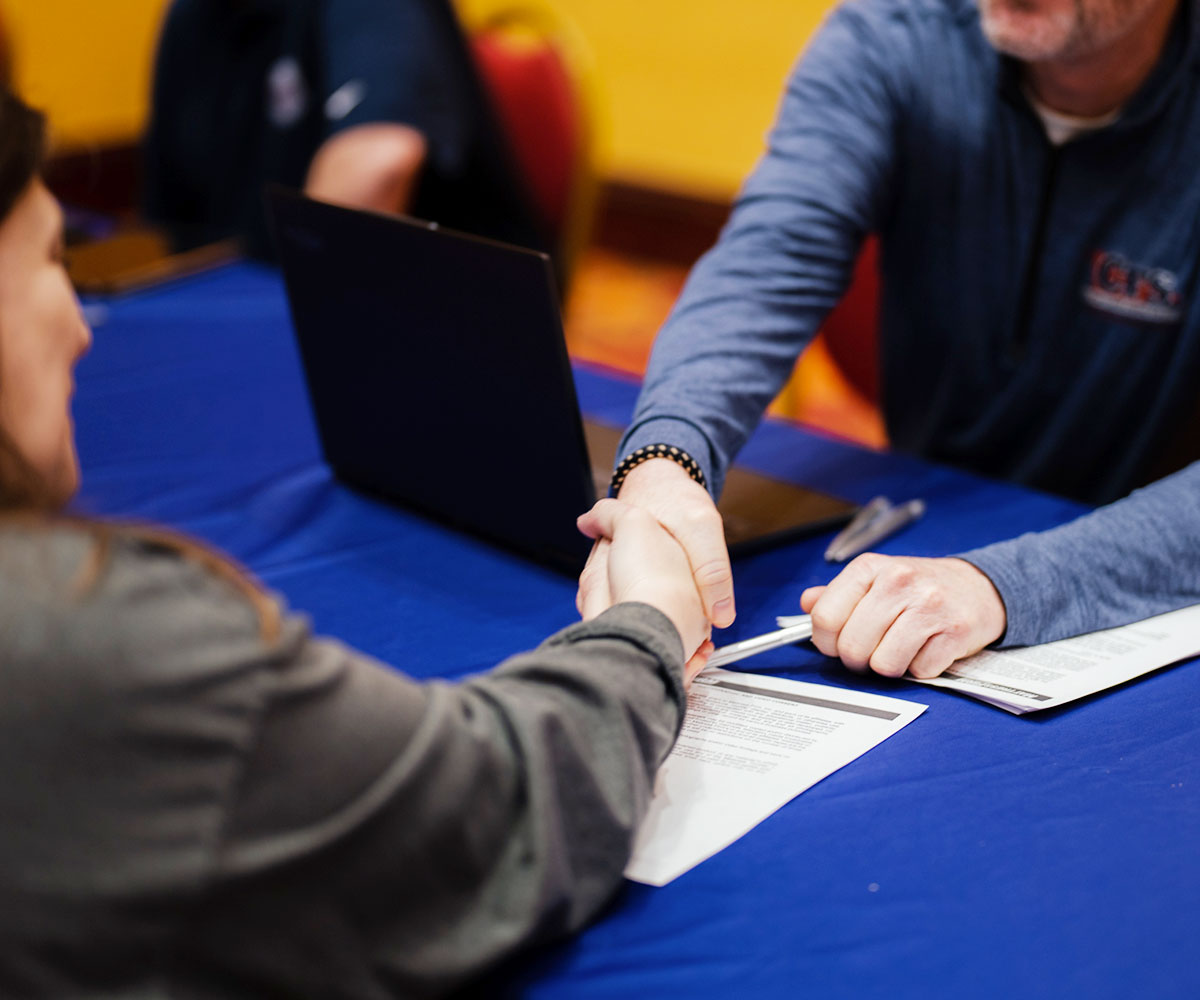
[374, 104]
[201, 799]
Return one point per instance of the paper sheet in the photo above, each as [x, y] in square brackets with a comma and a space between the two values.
[749, 745]
[1037, 677]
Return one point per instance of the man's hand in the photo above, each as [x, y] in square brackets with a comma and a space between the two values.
[898, 613]
[685, 509]
[635, 559]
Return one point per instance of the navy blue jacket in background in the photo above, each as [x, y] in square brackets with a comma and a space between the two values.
[1040, 318]
[246, 91]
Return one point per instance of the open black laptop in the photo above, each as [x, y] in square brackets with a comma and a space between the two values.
[439, 378]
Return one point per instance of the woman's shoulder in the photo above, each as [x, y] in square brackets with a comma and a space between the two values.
[135, 679]
[82, 593]
[71, 565]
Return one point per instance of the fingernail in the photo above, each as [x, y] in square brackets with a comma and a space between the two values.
[723, 611]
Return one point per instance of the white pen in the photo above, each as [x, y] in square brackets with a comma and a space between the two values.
[761, 643]
[879, 528]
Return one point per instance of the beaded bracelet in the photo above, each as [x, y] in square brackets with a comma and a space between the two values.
[676, 455]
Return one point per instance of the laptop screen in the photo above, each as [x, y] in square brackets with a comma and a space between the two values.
[438, 372]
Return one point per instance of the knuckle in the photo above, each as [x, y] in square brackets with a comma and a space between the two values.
[700, 517]
[607, 504]
[935, 656]
[853, 652]
[617, 507]
[825, 642]
[587, 579]
[714, 573]
[632, 514]
[931, 598]
[886, 666]
[957, 630]
[867, 564]
[931, 665]
[899, 576]
[823, 620]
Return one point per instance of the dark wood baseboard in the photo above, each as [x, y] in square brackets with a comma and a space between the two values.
[102, 179]
[657, 224]
[631, 219]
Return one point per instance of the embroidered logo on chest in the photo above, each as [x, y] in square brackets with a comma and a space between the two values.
[287, 94]
[1125, 290]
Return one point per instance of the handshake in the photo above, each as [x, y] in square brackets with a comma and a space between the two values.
[662, 543]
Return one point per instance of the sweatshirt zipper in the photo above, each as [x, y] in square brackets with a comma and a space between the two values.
[1019, 342]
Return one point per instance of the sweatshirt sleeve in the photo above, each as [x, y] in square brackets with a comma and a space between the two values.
[1124, 562]
[392, 838]
[392, 62]
[783, 260]
[223, 811]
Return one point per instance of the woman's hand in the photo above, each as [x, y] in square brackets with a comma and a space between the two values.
[636, 559]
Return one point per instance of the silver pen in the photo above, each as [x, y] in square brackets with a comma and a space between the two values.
[878, 528]
[866, 513]
[761, 643]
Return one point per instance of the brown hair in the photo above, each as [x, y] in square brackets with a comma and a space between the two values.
[25, 497]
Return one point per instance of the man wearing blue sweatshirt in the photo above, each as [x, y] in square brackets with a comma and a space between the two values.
[1032, 168]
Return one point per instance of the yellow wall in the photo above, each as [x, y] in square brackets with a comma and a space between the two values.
[86, 62]
[686, 88]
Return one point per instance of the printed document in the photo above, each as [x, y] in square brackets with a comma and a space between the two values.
[1036, 677]
[749, 745]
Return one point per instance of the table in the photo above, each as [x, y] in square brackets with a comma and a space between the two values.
[974, 854]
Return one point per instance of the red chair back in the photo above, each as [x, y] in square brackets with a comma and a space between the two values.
[851, 330]
[532, 93]
[538, 96]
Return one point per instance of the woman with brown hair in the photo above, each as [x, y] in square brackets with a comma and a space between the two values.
[201, 799]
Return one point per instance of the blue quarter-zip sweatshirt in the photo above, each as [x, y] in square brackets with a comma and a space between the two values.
[1040, 318]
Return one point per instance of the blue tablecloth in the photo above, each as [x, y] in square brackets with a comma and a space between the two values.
[974, 854]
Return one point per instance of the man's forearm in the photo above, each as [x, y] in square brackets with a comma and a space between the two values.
[1133, 559]
[756, 299]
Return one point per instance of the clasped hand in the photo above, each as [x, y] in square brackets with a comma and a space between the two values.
[635, 559]
[889, 614]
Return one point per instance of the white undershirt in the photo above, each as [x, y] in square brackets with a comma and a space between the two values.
[1062, 128]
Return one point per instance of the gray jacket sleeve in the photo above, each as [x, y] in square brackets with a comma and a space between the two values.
[227, 816]
[1129, 560]
[409, 836]
[755, 300]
